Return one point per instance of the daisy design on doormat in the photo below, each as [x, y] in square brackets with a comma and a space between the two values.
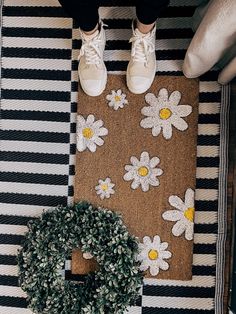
[152, 255]
[143, 172]
[89, 133]
[105, 188]
[183, 214]
[117, 99]
[164, 113]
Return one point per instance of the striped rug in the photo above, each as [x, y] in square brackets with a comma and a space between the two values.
[37, 149]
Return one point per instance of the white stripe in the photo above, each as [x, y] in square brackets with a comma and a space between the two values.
[32, 42]
[12, 292]
[207, 172]
[32, 3]
[211, 86]
[35, 125]
[206, 194]
[207, 151]
[33, 167]
[31, 188]
[24, 84]
[13, 229]
[209, 107]
[14, 310]
[202, 217]
[21, 210]
[134, 310]
[9, 249]
[37, 22]
[208, 129]
[35, 105]
[35, 147]
[178, 303]
[8, 270]
[204, 259]
[34, 63]
[202, 238]
[197, 281]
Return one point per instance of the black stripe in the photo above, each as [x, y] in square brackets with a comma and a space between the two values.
[210, 97]
[13, 302]
[206, 228]
[55, 75]
[15, 220]
[73, 128]
[35, 157]
[11, 239]
[32, 199]
[206, 205]
[72, 149]
[207, 183]
[71, 170]
[174, 33]
[203, 270]
[7, 260]
[35, 95]
[160, 310]
[208, 161]
[37, 32]
[70, 190]
[41, 53]
[11, 281]
[209, 76]
[12, 135]
[208, 140]
[204, 248]
[209, 118]
[34, 11]
[180, 11]
[35, 178]
[170, 291]
[36, 115]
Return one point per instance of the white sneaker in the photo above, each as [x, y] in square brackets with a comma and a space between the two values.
[142, 66]
[92, 70]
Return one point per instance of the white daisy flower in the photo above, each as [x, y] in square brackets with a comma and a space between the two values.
[89, 133]
[105, 188]
[143, 172]
[184, 214]
[117, 99]
[152, 255]
[165, 112]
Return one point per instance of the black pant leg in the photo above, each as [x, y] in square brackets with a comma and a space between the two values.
[148, 11]
[85, 12]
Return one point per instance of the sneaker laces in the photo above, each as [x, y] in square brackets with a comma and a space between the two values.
[142, 46]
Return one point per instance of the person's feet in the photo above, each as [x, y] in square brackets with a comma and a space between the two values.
[142, 65]
[92, 70]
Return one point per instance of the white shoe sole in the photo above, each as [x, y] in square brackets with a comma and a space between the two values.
[97, 93]
[133, 90]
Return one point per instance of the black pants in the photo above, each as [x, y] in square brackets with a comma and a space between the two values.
[85, 12]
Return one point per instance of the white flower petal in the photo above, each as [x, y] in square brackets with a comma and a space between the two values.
[147, 240]
[145, 186]
[135, 184]
[90, 119]
[97, 124]
[150, 111]
[154, 161]
[163, 246]
[144, 157]
[81, 143]
[162, 96]
[80, 120]
[178, 228]
[147, 123]
[156, 130]
[128, 176]
[176, 202]
[179, 123]
[156, 241]
[144, 266]
[102, 131]
[172, 215]
[134, 161]
[154, 270]
[98, 141]
[157, 172]
[164, 265]
[91, 146]
[189, 198]
[151, 99]
[189, 231]
[183, 110]
[153, 181]
[167, 131]
[165, 254]
[175, 97]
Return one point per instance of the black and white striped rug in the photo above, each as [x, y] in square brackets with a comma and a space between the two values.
[39, 49]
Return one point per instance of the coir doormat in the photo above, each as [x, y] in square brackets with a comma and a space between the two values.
[136, 154]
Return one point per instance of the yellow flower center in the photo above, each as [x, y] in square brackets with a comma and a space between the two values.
[117, 98]
[153, 255]
[143, 171]
[165, 113]
[88, 133]
[189, 214]
[104, 187]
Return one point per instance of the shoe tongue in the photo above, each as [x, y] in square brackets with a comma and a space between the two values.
[89, 37]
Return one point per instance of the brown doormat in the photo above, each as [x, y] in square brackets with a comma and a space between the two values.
[136, 154]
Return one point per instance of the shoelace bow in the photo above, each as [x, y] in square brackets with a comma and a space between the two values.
[142, 46]
[91, 51]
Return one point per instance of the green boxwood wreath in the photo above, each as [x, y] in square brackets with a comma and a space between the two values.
[50, 240]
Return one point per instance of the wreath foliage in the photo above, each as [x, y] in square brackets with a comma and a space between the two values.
[51, 238]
